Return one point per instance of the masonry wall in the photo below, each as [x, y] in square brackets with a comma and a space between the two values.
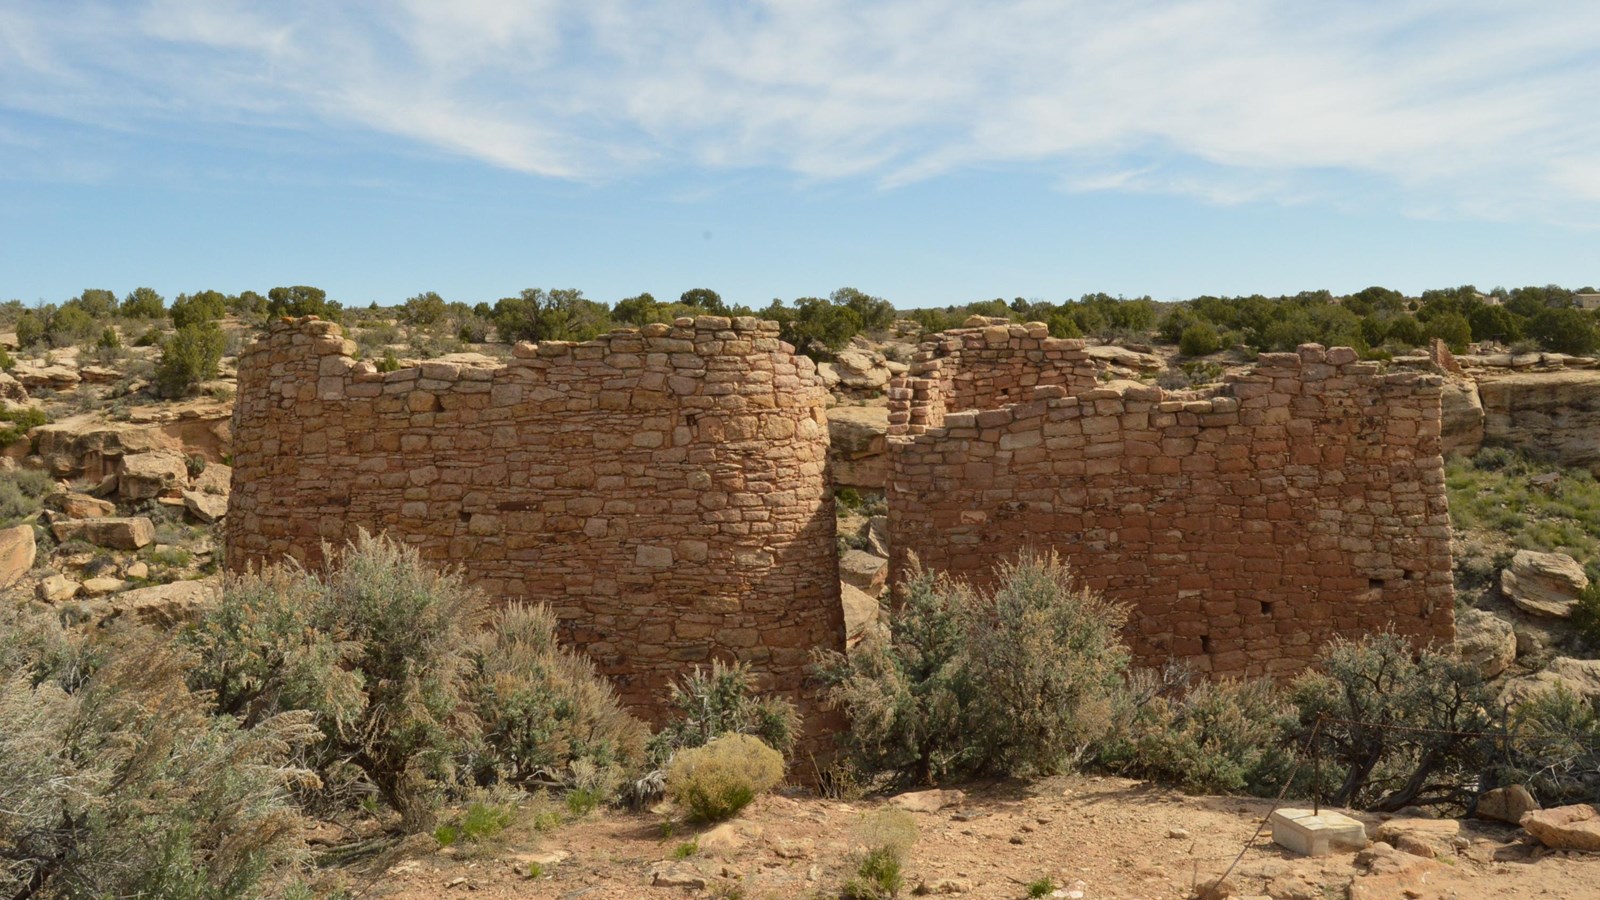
[664, 490]
[1244, 527]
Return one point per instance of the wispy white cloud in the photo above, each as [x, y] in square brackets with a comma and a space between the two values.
[1474, 107]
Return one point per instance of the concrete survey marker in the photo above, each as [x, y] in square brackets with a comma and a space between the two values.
[1311, 833]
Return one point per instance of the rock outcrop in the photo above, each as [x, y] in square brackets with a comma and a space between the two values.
[17, 553]
[858, 440]
[1545, 584]
[1553, 414]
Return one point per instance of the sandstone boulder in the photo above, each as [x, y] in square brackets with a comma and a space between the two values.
[216, 479]
[1506, 804]
[863, 371]
[1486, 641]
[1574, 827]
[17, 553]
[1428, 838]
[162, 605]
[1127, 359]
[861, 613]
[1545, 584]
[56, 589]
[206, 507]
[1580, 677]
[148, 475]
[858, 444]
[94, 587]
[866, 572]
[116, 533]
[927, 801]
[74, 505]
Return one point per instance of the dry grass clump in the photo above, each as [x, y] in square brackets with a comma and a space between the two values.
[717, 780]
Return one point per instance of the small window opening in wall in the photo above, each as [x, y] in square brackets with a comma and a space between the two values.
[1412, 576]
[466, 516]
[1205, 643]
[1266, 607]
[1375, 583]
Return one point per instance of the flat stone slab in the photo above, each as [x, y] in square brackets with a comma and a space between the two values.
[1311, 833]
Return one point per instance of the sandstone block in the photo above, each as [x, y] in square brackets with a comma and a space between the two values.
[1574, 827]
[56, 589]
[928, 801]
[116, 533]
[1486, 641]
[17, 552]
[145, 476]
[80, 506]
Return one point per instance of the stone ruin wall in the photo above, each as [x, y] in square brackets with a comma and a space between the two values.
[1244, 526]
[664, 490]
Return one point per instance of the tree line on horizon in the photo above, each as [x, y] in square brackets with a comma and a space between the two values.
[1377, 321]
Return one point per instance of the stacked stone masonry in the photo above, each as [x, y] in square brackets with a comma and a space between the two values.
[664, 490]
[1244, 526]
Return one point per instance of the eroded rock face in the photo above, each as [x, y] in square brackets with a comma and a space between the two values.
[861, 613]
[17, 553]
[1461, 428]
[1556, 414]
[162, 605]
[1545, 584]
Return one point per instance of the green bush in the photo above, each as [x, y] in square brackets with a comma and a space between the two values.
[424, 309]
[877, 876]
[189, 357]
[7, 362]
[1586, 614]
[481, 820]
[543, 709]
[1199, 339]
[1020, 679]
[1553, 748]
[719, 700]
[109, 339]
[143, 303]
[15, 423]
[117, 782]
[30, 330]
[557, 315]
[1420, 718]
[199, 308]
[389, 362]
[1203, 736]
[379, 647]
[301, 300]
[717, 780]
[69, 325]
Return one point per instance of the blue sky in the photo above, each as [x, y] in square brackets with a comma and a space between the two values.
[929, 151]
